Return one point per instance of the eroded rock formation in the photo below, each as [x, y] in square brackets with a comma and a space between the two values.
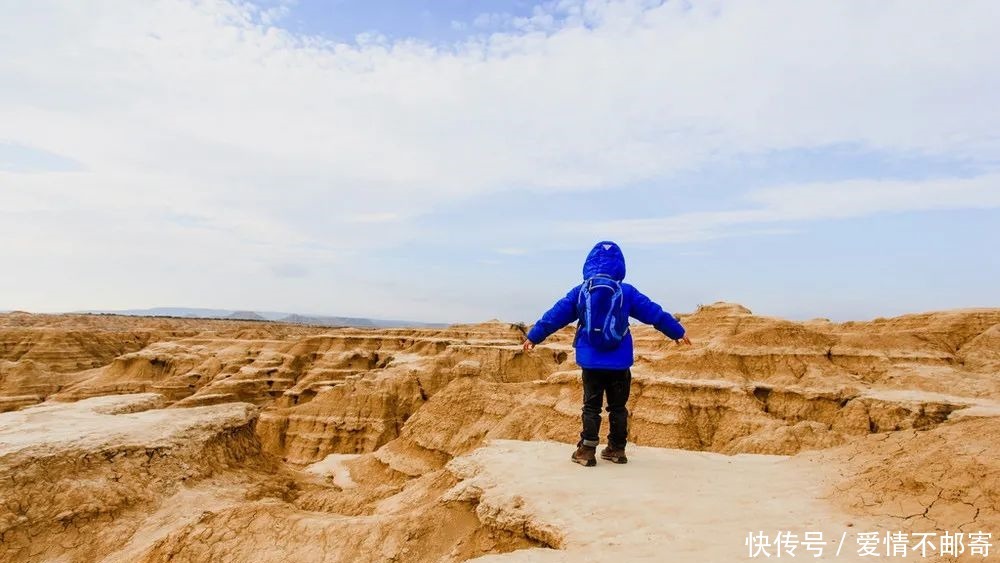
[141, 439]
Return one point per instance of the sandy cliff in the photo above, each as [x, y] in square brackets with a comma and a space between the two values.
[141, 439]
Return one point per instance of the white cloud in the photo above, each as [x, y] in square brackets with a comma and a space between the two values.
[774, 208]
[292, 147]
[206, 90]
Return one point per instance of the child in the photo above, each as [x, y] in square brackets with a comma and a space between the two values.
[602, 306]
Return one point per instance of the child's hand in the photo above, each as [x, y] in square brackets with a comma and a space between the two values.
[528, 345]
[683, 340]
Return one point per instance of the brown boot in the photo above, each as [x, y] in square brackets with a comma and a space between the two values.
[584, 455]
[614, 455]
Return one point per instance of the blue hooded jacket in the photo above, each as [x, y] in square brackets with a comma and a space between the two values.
[607, 259]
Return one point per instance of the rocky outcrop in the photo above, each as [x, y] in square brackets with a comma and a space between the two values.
[78, 476]
[119, 478]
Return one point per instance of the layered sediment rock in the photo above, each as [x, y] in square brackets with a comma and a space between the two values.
[197, 440]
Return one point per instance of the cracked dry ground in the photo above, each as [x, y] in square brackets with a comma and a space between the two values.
[142, 439]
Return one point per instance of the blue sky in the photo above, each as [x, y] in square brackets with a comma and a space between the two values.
[438, 21]
[455, 160]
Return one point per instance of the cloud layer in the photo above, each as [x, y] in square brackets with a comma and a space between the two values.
[204, 132]
[778, 208]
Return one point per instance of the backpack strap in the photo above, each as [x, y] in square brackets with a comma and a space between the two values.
[609, 321]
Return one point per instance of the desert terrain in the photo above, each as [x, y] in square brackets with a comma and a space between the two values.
[155, 439]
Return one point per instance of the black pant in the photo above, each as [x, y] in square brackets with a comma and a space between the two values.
[596, 383]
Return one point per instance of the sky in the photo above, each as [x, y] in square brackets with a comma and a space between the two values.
[455, 160]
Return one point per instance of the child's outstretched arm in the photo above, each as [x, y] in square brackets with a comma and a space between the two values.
[560, 315]
[646, 311]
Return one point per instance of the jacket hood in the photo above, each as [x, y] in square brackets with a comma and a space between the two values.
[605, 258]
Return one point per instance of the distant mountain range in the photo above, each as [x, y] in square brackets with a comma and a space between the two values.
[245, 316]
[295, 318]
